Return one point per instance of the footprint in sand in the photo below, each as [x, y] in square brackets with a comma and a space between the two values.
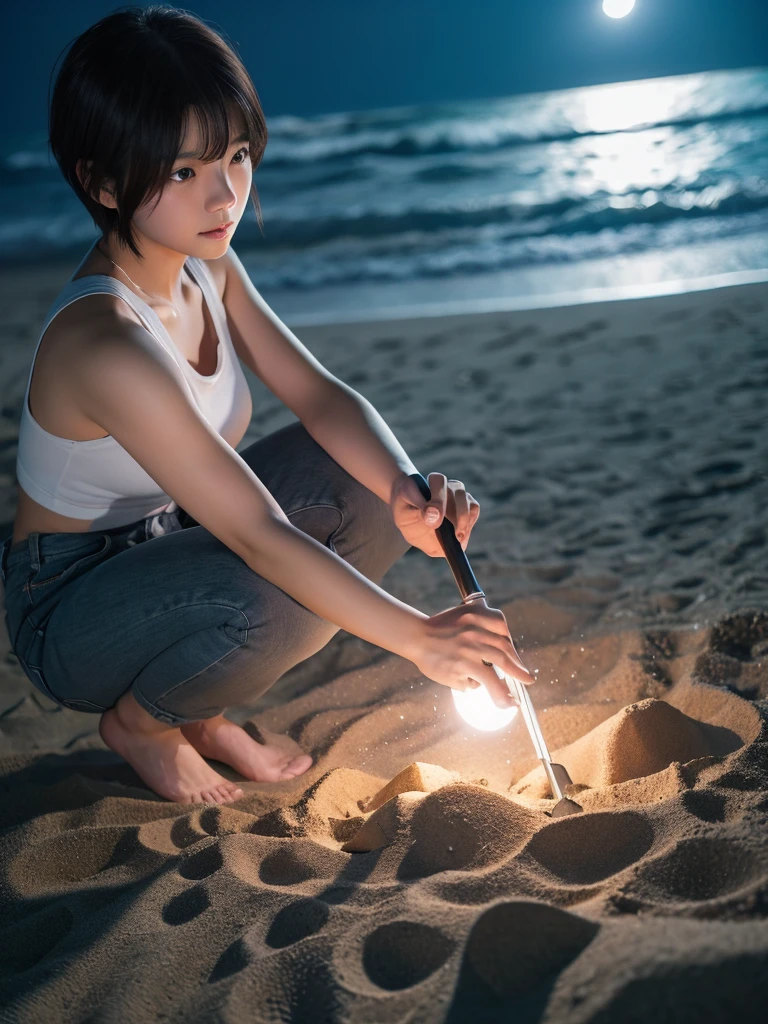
[203, 864]
[62, 861]
[738, 654]
[186, 906]
[464, 827]
[234, 959]
[295, 922]
[286, 867]
[220, 820]
[403, 953]
[584, 849]
[698, 870]
[514, 946]
[170, 835]
[706, 806]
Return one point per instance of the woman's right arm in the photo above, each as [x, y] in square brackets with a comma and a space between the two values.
[130, 387]
[448, 648]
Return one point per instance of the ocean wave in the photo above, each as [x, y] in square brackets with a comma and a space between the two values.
[458, 255]
[564, 215]
[409, 143]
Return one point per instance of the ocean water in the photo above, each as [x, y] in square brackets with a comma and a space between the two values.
[627, 189]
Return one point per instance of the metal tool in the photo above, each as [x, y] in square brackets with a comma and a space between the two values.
[470, 591]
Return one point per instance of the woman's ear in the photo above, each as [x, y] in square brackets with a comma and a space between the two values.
[107, 195]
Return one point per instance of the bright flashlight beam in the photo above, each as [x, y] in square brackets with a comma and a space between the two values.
[618, 8]
[478, 710]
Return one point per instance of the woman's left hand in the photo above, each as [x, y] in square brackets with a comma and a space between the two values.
[449, 498]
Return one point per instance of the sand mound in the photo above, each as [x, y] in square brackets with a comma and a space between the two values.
[418, 776]
[384, 825]
[639, 740]
[464, 827]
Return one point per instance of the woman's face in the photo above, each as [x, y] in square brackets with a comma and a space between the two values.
[199, 197]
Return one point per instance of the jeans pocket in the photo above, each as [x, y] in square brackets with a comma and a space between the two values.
[62, 567]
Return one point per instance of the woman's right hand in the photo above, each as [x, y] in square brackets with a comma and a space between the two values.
[451, 648]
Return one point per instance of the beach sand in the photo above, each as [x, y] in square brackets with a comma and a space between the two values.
[618, 452]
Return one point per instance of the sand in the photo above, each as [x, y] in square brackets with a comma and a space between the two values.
[414, 873]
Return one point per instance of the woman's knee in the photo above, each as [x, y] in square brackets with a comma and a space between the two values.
[368, 537]
[325, 500]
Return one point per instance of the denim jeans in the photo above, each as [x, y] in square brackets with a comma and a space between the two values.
[164, 609]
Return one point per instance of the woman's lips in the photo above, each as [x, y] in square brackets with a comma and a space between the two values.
[218, 232]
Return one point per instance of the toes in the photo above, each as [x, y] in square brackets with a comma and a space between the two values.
[227, 793]
[216, 795]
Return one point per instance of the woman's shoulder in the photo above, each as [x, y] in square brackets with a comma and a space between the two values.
[88, 320]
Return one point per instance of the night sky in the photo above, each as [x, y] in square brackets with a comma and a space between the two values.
[307, 57]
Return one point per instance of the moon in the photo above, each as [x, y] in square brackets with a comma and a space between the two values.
[618, 8]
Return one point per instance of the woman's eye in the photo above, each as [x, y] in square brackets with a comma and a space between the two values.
[244, 153]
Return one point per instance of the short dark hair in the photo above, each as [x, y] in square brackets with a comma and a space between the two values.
[122, 98]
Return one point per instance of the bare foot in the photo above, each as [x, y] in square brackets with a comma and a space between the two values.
[275, 739]
[262, 762]
[162, 757]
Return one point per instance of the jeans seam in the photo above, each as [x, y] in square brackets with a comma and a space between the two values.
[205, 668]
[155, 710]
[198, 604]
[322, 504]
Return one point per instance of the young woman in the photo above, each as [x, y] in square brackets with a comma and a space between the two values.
[154, 575]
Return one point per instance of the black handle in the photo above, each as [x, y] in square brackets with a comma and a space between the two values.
[454, 554]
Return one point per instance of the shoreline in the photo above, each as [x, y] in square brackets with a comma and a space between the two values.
[535, 303]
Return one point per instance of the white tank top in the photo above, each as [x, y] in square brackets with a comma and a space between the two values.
[98, 480]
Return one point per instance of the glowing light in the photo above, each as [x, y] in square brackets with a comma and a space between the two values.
[478, 710]
[618, 8]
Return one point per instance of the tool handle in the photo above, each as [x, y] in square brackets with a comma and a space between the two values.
[454, 553]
